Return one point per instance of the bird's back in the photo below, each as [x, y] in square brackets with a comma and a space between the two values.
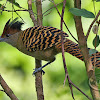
[41, 37]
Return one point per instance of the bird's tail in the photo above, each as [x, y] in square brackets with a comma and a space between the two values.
[73, 48]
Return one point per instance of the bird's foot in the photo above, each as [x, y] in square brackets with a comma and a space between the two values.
[38, 70]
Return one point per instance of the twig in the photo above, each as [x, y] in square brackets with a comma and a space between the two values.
[38, 81]
[7, 89]
[16, 10]
[51, 8]
[66, 72]
[92, 24]
[11, 1]
[38, 78]
[39, 12]
[85, 51]
[47, 13]
[13, 10]
[31, 12]
[94, 7]
[62, 43]
[19, 15]
[65, 23]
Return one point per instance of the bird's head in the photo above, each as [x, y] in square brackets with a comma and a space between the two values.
[10, 29]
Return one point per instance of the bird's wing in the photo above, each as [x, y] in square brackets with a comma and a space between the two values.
[41, 37]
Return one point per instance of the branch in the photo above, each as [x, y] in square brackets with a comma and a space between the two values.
[65, 67]
[31, 12]
[92, 24]
[38, 79]
[51, 8]
[13, 10]
[62, 44]
[39, 12]
[65, 23]
[7, 89]
[84, 49]
[82, 41]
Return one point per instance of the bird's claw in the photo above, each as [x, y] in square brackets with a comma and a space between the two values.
[38, 70]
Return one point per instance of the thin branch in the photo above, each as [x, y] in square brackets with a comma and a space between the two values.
[94, 7]
[51, 8]
[13, 10]
[38, 78]
[38, 81]
[92, 24]
[19, 15]
[65, 23]
[12, 1]
[17, 10]
[7, 89]
[39, 12]
[65, 67]
[31, 12]
[47, 13]
[62, 43]
[85, 51]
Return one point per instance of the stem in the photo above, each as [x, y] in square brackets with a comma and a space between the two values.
[38, 81]
[65, 23]
[31, 12]
[38, 78]
[7, 89]
[84, 49]
[92, 24]
[65, 67]
[39, 12]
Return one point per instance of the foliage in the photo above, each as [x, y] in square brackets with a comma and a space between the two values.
[82, 12]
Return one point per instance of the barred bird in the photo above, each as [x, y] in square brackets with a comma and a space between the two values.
[41, 42]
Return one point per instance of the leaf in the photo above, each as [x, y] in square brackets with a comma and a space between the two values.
[97, 0]
[15, 3]
[82, 12]
[92, 51]
[95, 29]
[96, 41]
[0, 5]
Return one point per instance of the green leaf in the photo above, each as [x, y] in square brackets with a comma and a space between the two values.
[15, 3]
[0, 5]
[97, 0]
[96, 41]
[82, 12]
[92, 51]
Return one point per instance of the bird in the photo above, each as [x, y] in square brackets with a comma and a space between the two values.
[41, 42]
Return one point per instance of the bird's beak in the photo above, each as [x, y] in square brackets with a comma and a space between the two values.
[2, 39]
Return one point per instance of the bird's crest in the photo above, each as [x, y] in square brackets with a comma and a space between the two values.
[11, 27]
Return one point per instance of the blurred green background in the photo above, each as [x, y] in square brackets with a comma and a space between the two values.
[16, 67]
